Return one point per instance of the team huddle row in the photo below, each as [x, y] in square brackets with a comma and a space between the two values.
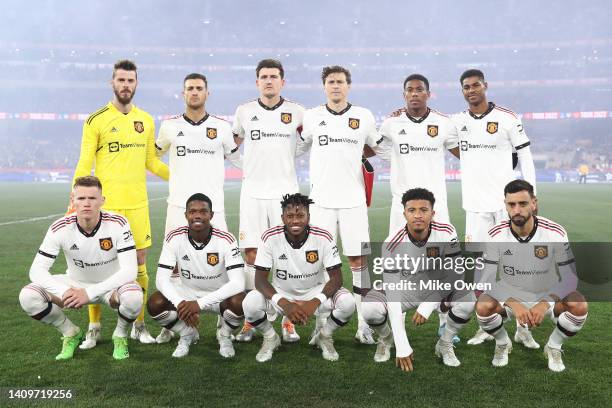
[201, 267]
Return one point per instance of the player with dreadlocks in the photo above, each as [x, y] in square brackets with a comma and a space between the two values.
[300, 255]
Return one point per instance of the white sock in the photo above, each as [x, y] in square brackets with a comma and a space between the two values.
[58, 319]
[249, 276]
[121, 330]
[95, 326]
[383, 330]
[567, 326]
[493, 322]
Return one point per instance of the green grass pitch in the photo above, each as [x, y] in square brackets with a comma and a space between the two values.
[297, 375]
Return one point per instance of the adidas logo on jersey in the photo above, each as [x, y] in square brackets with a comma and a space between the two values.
[180, 133]
[185, 258]
[254, 119]
[283, 257]
[508, 252]
[322, 123]
[402, 132]
[114, 129]
[74, 247]
[464, 128]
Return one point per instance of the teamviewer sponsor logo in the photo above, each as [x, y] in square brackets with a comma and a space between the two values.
[255, 135]
[281, 274]
[464, 145]
[323, 140]
[404, 148]
[180, 151]
[113, 147]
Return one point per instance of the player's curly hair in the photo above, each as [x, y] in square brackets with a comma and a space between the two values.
[295, 200]
[418, 194]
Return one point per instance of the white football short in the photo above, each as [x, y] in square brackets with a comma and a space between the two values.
[175, 218]
[102, 298]
[189, 294]
[353, 225]
[477, 226]
[256, 216]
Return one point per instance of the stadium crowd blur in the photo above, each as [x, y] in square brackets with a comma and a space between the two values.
[558, 70]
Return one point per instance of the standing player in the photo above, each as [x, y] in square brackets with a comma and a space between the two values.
[269, 128]
[120, 138]
[420, 238]
[301, 255]
[337, 132]
[414, 140]
[528, 250]
[488, 135]
[101, 258]
[211, 279]
[198, 143]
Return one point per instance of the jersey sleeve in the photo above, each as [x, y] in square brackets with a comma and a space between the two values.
[237, 127]
[153, 163]
[44, 260]
[163, 279]
[566, 264]
[89, 146]
[331, 257]
[304, 141]
[517, 135]
[231, 151]
[164, 139]
[264, 259]
[232, 256]
[372, 139]
[385, 148]
[452, 137]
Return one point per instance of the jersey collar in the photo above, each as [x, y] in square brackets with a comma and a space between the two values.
[342, 112]
[531, 234]
[419, 120]
[263, 105]
[93, 232]
[198, 247]
[297, 245]
[415, 241]
[198, 123]
[478, 117]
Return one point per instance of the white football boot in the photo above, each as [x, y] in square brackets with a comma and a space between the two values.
[446, 350]
[267, 348]
[480, 337]
[500, 357]
[92, 337]
[140, 333]
[365, 335]
[289, 333]
[326, 344]
[186, 340]
[523, 336]
[555, 358]
[164, 336]
[226, 347]
[383, 349]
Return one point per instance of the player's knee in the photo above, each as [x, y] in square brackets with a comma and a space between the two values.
[253, 303]
[485, 306]
[344, 303]
[463, 310]
[31, 300]
[157, 304]
[576, 304]
[234, 304]
[130, 298]
[373, 312]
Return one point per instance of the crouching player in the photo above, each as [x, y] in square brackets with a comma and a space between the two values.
[300, 255]
[427, 286]
[528, 250]
[210, 279]
[101, 258]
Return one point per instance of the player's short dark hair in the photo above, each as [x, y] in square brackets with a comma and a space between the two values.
[335, 69]
[87, 181]
[196, 75]
[417, 77]
[125, 65]
[270, 63]
[199, 197]
[516, 186]
[418, 194]
[295, 200]
[470, 73]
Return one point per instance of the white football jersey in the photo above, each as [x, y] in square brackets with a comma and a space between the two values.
[337, 138]
[530, 263]
[270, 137]
[197, 152]
[297, 270]
[202, 266]
[91, 258]
[487, 142]
[416, 149]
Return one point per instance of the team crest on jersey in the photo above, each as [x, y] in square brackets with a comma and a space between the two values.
[106, 244]
[211, 133]
[432, 130]
[212, 258]
[285, 117]
[433, 252]
[312, 256]
[138, 126]
[540, 251]
[354, 123]
[492, 127]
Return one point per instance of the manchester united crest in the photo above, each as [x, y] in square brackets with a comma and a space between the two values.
[212, 258]
[432, 130]
[138, 126]
[433, 252]
[106, 244]
[211, 133]
[540, 251]
[312, 256]
[285, 118]
[492, 127]
[354, 123]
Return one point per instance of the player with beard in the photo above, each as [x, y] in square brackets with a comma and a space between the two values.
[120, 139]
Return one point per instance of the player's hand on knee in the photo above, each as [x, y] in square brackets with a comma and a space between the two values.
[75, 298]
[405, 363]
[310, 307]
[538, 312]
[418, 319]
[522, 314]
[189, 312]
